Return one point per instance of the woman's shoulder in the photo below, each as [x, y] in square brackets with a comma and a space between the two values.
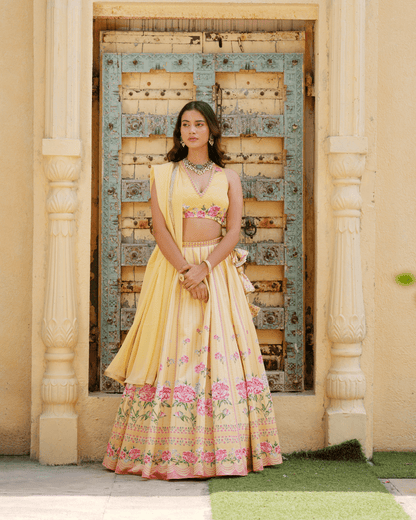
[232, 175]
[163, 168]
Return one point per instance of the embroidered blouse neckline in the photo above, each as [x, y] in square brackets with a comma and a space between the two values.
[202, 193]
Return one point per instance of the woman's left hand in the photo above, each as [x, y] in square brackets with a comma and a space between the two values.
[194, 275]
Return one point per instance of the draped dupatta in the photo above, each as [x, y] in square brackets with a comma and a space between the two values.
[138, 359]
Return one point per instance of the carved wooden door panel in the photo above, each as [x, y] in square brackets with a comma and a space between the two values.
[259, 100]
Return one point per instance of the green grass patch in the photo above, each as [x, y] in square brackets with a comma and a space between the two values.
[394, 464]
[305, 488]
[350, 451]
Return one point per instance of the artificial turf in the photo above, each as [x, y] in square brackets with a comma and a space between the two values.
[394, 464]
[303, 488]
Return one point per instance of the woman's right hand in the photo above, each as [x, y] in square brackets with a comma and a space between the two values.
[200, 292]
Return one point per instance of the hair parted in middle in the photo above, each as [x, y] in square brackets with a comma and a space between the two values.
[215, 152]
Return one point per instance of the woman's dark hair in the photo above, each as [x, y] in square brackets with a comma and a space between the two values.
[215, 152]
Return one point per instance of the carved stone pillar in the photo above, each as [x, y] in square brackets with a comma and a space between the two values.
[346, 416]
[58, 422]
[347, 147]
[61, 148]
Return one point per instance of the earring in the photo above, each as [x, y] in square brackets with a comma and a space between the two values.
[182, 143]
[211, 140]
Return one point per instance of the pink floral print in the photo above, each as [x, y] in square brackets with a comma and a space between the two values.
[220, 391]
[110, 451]
[134, 453]
[242, 389]
[220, 455]
[147, 393]
[166, 456]
[164, 393]
[255, 386]
[129, 391]
[208, 456]
[200, 368]
[184, 393]
[266, 447]
[214, 212]
[204, 407]
[241, 453]
[190, 457]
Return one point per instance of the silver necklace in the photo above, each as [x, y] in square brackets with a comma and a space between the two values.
[199, 169]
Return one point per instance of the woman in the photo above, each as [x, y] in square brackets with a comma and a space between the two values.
[196, 402]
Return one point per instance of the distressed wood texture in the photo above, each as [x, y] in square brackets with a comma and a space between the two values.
[258, 98]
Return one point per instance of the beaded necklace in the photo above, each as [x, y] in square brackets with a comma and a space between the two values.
[199, 169]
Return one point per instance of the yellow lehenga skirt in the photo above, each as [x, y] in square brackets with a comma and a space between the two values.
[209, 412]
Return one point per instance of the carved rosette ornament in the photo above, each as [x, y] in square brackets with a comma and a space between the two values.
[60, 325]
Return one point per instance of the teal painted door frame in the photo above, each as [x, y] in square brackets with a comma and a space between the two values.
[115, 190]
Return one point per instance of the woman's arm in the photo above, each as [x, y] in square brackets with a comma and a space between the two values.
[168, 246]
[235, 211]
[162, 235]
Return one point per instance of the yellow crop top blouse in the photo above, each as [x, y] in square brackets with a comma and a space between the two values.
[212, 203]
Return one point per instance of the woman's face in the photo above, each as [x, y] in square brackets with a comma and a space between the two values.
[194, 129]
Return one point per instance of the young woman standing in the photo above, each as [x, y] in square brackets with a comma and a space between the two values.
[196, 402]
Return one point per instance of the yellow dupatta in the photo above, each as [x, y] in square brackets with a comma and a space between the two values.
[137, 361]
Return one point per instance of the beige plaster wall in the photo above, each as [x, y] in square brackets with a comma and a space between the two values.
[16, 217]
[395, 306]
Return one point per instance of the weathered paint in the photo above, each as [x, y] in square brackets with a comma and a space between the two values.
[110, 256]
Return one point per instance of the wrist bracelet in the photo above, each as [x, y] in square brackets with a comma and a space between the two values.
[208, 265]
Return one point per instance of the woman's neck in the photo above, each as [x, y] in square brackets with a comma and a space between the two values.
[198, 156]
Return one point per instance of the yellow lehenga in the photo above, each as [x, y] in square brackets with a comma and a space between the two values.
[196, 401]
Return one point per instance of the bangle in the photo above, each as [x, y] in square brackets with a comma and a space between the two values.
[208, 265]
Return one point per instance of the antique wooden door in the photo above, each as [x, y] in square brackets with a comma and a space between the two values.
[258, 98]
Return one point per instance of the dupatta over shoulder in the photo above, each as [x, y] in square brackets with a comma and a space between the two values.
[138, 359]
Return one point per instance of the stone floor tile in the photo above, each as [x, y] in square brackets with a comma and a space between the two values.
[158, 508]
[56, 507]
[404, 492]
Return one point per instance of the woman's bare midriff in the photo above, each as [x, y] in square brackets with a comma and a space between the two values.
[200, 229]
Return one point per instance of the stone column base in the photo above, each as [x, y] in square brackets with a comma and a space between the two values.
[341, 427]
[58, 440]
